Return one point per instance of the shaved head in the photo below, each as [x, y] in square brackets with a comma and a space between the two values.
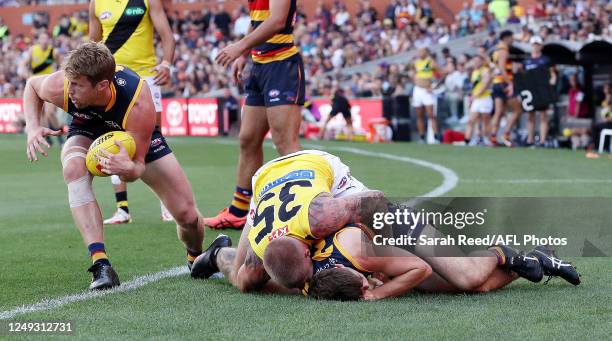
[287, 261]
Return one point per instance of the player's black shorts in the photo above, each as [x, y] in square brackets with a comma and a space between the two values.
[499, 92]
[157, 149]
[276, 83]
[345, 113]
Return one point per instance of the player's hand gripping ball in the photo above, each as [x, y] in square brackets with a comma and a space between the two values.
[107, 142]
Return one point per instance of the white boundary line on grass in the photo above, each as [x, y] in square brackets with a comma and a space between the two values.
[87, 295]
[450, 182]
[538, 181]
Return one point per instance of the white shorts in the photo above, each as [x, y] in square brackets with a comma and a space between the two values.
[422, 97]
[155, 93]
[482, 105]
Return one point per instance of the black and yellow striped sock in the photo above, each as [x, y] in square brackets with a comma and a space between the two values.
[122, 201]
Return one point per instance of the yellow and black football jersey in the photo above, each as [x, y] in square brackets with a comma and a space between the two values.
[282, 192]
[42, 60]
[127, 31]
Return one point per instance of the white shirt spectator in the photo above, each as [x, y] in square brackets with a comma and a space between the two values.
[454, 81]
[342, 18]
[241, 26]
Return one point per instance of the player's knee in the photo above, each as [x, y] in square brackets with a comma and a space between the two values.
[74, 169]
[186, 216]
[285, 144]
[469, 280]
[249, 141]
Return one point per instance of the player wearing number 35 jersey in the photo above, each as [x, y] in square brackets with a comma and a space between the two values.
[283, 190]
[297, 199]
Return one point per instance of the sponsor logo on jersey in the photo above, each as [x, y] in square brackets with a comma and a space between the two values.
[131, 11]
[121, 82]
[113, 125]
[278, 233]
[295, 175]
[105, 15]
[81, 115]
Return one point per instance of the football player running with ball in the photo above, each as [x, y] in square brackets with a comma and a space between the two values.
[103, 97]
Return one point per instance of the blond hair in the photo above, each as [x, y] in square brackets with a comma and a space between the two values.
[92, 60]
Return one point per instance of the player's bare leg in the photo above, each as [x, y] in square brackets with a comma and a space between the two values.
[432, 119]
[420, 114]
[498, 279]
[122, 214]
[85, 210]
[219, 258]
[167, 179]
[465, 273]
[530, 127]
[252, 133]
[543, 126]
[500, 108]
[469, 128]
[284, 121]
[515, 106]
[349, 128]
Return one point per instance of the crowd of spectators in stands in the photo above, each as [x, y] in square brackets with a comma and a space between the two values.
[330, 40]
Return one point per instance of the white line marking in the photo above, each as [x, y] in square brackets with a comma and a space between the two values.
[450, 182]
[135, 283]
[450, 177]
[539, 181]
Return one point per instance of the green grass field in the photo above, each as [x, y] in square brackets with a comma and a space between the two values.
[42, 255]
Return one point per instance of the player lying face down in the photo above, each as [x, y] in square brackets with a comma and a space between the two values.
[307, 196]
[298, 199]
[342, 262]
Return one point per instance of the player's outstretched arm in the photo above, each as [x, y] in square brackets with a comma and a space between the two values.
[140, 124]
[40, 89]
[404, 269]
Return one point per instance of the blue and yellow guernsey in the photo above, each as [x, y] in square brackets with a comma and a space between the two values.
[281, 46]
[125, 90]
[328, 252]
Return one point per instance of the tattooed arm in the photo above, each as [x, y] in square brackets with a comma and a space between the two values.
[328, 215]
[251, 276]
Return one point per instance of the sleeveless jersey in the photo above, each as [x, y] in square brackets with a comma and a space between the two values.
[125, 89]
[508, 67]
[328, 252]
[477, 82]
[424, 68]
[281, 46]
[282, 192]
[42, 60]
[127, 31]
